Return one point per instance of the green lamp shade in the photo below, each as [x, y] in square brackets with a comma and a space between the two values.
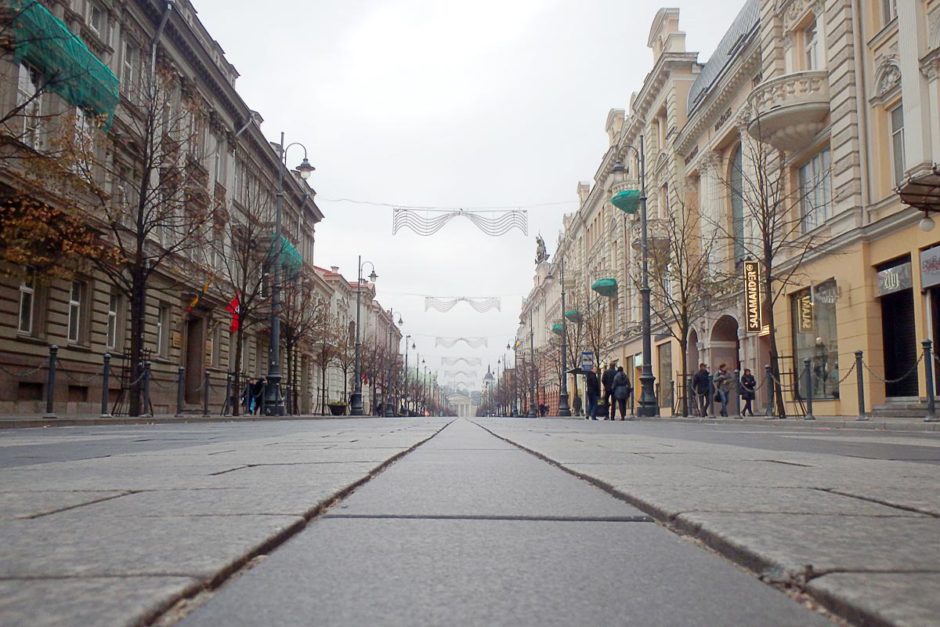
[627, 200]
[605, 287]
[557, 328]
[573, 314]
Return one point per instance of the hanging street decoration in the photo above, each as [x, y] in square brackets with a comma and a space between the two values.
[425, 224]
[481, 304]
[453, 374]
[453, 361]
[472, 342]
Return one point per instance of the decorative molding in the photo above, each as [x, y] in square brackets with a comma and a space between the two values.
[887, 79]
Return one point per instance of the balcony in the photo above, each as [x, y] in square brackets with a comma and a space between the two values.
[625, 195]
[789, 111]
[657, 233]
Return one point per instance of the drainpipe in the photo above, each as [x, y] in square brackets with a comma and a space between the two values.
[862, 106]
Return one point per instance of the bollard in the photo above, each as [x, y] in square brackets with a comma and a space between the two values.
[809, 390]
[928, 371]
[180, 390]
[148, 411]
[50, 382]
[861, 386]
[711, 397]
[737, 393]
[105, 384]
[769, 382]
[205, 394]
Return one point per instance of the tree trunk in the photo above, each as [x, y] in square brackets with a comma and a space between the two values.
[138, 320]
[684, 355]
[774, 357]
[236, 376]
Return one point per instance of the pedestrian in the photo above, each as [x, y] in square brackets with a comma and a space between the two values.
[723, 387]
[246, 397]
[593, 393]
[702, 387]
[257, 394]
[622, 390]
[748, 391]
[543, 409]
[607, 380]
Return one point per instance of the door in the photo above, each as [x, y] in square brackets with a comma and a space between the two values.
[195, 359]
[900, 343]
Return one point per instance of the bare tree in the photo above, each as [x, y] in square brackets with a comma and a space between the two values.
[301, 314]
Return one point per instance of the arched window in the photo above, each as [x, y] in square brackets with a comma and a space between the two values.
[737, 203]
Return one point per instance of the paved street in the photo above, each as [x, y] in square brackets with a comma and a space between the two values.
[233, 524]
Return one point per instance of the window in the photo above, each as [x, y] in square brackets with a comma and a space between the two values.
[76, 299]
[27, 302]
[216, 357]
[737, 203]
[815, 191]
[29, 99]
[163, 329]
[811, 47]
[889, 10]
[96, 19]
[897, 142]
[815, 338]
[129, 61]
[114, 308]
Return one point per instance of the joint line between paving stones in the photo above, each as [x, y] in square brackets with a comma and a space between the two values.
[76, 506]
[764, 569]
[869, 499]
[275, 541]
[615, 519]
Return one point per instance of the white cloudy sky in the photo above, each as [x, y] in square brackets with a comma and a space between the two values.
[445, 103]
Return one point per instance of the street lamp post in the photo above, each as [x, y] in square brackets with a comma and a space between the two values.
[647, 403]
[356, 401]
[404, 393]
[389, 413]
[532, 408]
[273, 401]
[563, 409]
[513, 409]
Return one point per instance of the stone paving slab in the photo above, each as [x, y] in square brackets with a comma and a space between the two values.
[494, 572]
[924, 498]
[86, 601]
[29, 504]
[903, 599]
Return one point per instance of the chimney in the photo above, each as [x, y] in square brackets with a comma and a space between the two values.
[334, 269]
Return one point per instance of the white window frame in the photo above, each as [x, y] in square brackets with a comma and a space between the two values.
[889, 10]
[77, 292]
[100, 29]
[114, 318]
[27, 86]
[130, 56]
[815, 188]
[162, 328]
[811, 46]
[896, 115]
[27, 298]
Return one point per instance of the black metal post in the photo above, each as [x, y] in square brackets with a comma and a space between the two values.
[50, 382]
[180, 383]
[711, 396]
[807, 367]
[769, 381]
[648, 407]
[205, 394]
[862, 416]
[563, 409]
[230, 400]
[273, 403]
[105, 384]
[532, 407]
[928, 372]
[148, 408]
[737, 393]
[356, 400]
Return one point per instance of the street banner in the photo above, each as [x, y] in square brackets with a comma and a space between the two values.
[752, 306]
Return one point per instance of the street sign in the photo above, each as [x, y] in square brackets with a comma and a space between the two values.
[587, 361]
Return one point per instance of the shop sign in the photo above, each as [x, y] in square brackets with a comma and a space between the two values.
[895, 279]
[930, 267]
[805, 310]
[752, 296]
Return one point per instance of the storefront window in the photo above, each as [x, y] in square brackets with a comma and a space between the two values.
[815, 338]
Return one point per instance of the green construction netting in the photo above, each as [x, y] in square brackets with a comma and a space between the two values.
[627, 200]
[73, 71]
[290, 256]
[605, 287]
[557, 328]
[573, 314]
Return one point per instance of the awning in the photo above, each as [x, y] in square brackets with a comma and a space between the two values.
[73, 71]
[922, 192]
[573, 314]
[627, 200]
[558, 328]
[605, 287]
[289, 258]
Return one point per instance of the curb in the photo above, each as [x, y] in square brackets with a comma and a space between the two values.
[42, 423]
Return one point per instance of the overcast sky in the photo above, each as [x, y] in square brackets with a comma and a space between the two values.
[447, 104]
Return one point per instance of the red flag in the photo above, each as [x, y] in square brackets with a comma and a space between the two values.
[233, 309]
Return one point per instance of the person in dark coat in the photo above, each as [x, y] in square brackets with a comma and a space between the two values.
[748, 391]
[257, 395]
[607, 380]
[593, 393]
[622, 391]
[701, 386]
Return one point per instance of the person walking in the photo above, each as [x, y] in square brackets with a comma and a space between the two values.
[748, 391]
[723, 387]
[257, 393]
[701, 387]
[622, 389]
[593, 393]
[607, 380]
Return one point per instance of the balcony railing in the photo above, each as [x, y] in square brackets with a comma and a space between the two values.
[789, 111]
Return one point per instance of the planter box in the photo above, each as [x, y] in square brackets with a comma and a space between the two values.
[337, 410]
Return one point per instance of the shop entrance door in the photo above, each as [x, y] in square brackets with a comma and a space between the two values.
[900, 343]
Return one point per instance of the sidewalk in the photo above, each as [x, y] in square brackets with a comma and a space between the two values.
[881, 423]
[33, 421]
